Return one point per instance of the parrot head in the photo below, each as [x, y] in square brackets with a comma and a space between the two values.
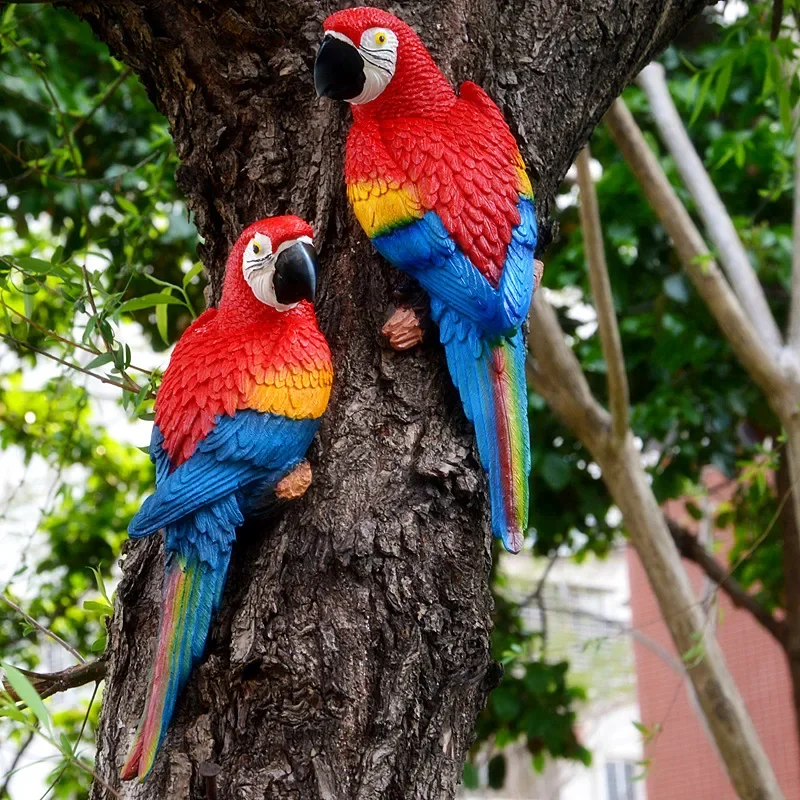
[377, 62]
[273, 262]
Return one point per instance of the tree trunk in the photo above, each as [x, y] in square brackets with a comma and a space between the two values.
[351, 656]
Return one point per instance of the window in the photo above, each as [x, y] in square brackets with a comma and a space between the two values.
[619, 780]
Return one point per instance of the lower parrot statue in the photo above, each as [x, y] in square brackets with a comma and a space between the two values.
[239, 404]
[439, 186]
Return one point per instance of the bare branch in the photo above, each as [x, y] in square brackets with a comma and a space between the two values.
[618, 396]
[794, 315]
[715, 216]
[703, 271]
[131, 387]
[50, 683]
[555, 373]
[46, 631]
[691, 549]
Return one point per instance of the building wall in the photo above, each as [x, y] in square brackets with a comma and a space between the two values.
[683, 762]
[588, 619]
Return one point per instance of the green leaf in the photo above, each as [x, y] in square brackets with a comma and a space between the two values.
[101, 584]
[470, 776]
[103, 608]
[723, 82]
[505, 704]
[785, 107]
[127, 205]
[162, 323]
[29, 264]
[192, 273]
[25, 691]
[148, 301]
[98, 361]
[27, 304]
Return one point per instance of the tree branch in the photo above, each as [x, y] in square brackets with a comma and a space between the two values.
[618, 396]
[703, 271]
[131, 387]
[794, 315]
[715, 216]
[50, 683]
[691, 549]
[555, 373]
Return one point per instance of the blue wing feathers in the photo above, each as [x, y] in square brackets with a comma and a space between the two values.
[426, 250]
[245, 449]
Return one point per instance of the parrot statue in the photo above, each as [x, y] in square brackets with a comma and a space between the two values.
[237, 409]
[437, 182]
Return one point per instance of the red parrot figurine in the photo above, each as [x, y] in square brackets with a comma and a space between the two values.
[239, 404]
[439, 186]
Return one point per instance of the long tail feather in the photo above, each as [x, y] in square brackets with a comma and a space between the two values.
[192, 592]
[490, 376]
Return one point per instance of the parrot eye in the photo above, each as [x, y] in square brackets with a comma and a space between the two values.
[256, 248]
[380, 38]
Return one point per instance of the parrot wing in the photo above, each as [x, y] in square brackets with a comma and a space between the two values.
[473, 242]
[241, 450]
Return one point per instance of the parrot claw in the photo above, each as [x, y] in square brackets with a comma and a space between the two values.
[538, 271]
[402, 329]
[296, 483]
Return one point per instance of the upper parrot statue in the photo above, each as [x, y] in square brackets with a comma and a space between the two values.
[239, 404]
[438, 184]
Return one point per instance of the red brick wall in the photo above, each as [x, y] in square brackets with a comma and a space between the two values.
[683, 762]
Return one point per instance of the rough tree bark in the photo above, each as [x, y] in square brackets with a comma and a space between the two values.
[351, 656]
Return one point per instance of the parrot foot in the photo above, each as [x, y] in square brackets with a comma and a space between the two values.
[538, 271]
[296, 483]
[403, 329]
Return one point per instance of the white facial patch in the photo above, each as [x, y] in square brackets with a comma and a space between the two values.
[378, 49]
[258, 267]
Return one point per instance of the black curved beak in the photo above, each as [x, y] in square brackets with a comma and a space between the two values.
[296, 274]
[338, 70]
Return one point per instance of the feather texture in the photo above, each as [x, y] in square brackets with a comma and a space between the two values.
[237, 409]
[438, 183]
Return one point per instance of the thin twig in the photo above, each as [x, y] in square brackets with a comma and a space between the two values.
[50, 683]
[63, 178]
[4, 793]
[57, 778]
[112, 87]
[618, 396]
[692, 550]
[131, 387]
[46, 631]
[717, 220]
[53, 335]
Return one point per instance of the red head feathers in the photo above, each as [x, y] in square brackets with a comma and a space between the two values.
[272, 264]
[378, 64]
